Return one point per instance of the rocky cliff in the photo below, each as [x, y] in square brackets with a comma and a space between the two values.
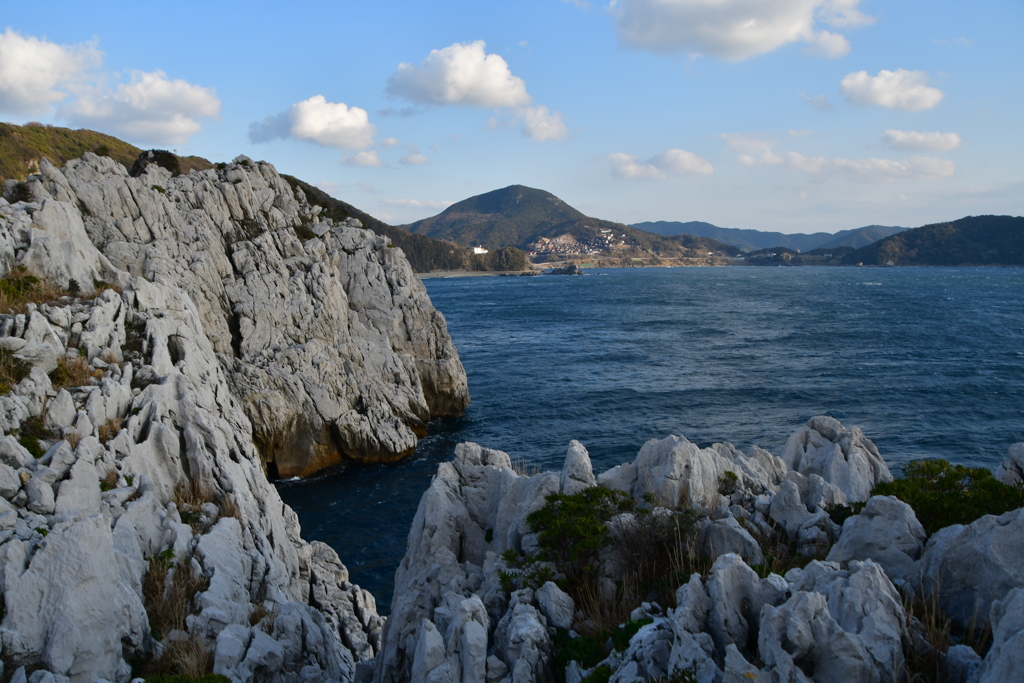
[467, 608]
[328, 339]
[213, 329]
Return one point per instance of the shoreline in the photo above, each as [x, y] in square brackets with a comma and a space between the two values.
[475, 273]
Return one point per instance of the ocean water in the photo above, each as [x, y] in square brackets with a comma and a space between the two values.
[929, 362]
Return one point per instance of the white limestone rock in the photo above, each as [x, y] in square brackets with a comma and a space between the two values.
[886, 531]
[1005, 659]
[678, 473]
[737, 595]
[577, 472]
[556, 605]
[62, 611]
[726, 535]
[842, 624]
[970, 567]
[840, 456]
[1011, 470]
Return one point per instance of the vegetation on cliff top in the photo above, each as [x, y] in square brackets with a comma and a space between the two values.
[22, 147]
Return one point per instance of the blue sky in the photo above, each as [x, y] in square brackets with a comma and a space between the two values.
[789, 115]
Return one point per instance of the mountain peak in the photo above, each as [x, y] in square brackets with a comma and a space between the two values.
[509, 216]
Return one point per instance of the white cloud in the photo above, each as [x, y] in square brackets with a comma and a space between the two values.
[900, 89]
[828, 45]
[331, 124]
[873, 169]
[150, 108]
[460, 74]
[819, 102]
[844, 13]
[365, 159]
[627, 166]
[580, 4]
[388, 143]
[735, 30]
[754, 150]
[419, 204]
[908, 139]
[414, 159]
[32, 71]
[800, 133]
[676, 161]
[540, 124]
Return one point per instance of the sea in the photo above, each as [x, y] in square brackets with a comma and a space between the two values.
[928, 362]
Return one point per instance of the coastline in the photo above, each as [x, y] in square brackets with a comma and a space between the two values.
[476, 273]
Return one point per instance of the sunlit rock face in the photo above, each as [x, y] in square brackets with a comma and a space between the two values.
[328, 339]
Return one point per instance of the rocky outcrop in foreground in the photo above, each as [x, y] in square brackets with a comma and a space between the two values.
[205, 342]
[327, 338]
[457, 617]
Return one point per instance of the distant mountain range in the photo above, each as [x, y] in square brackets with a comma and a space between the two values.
[519, 216]
[753, 240]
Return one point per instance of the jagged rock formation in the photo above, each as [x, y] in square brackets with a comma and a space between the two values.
[147, 530]
[1011, 470]
[330, 343]
[834, 620]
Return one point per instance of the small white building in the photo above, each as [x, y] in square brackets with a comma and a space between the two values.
[479, 250]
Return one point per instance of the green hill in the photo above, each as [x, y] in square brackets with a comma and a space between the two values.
[970, 241]
[424, 253]
[521, 216]
[512, 216]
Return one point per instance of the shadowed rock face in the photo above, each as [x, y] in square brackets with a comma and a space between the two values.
[330, 343]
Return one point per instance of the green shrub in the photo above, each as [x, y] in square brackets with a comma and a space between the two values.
[29, 434]
[599, 675]
[728, 483]
[943, 494]
[571, 529]
[588, 651]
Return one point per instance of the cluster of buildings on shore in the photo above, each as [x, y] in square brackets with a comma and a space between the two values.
[570, 245]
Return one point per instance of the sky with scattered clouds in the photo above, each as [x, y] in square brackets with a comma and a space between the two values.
[789, 115]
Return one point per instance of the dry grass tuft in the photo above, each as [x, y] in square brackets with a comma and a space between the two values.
[168, 603]
[525, 469]
[73, 372]
[12, 371]
[19, 288]
[109, 482]
[189, 658]
[109, 429]
[932, 633]
[229, 508]
[73, 439]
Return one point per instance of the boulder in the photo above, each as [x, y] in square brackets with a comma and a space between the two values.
[840, 456]
[678, 473]
[970, 567]
[63, 610]
[1011, 470]
[886, 531]
[1005, 659]
[556, 605]
[842, 625]
[577, 472]
[726, 535]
